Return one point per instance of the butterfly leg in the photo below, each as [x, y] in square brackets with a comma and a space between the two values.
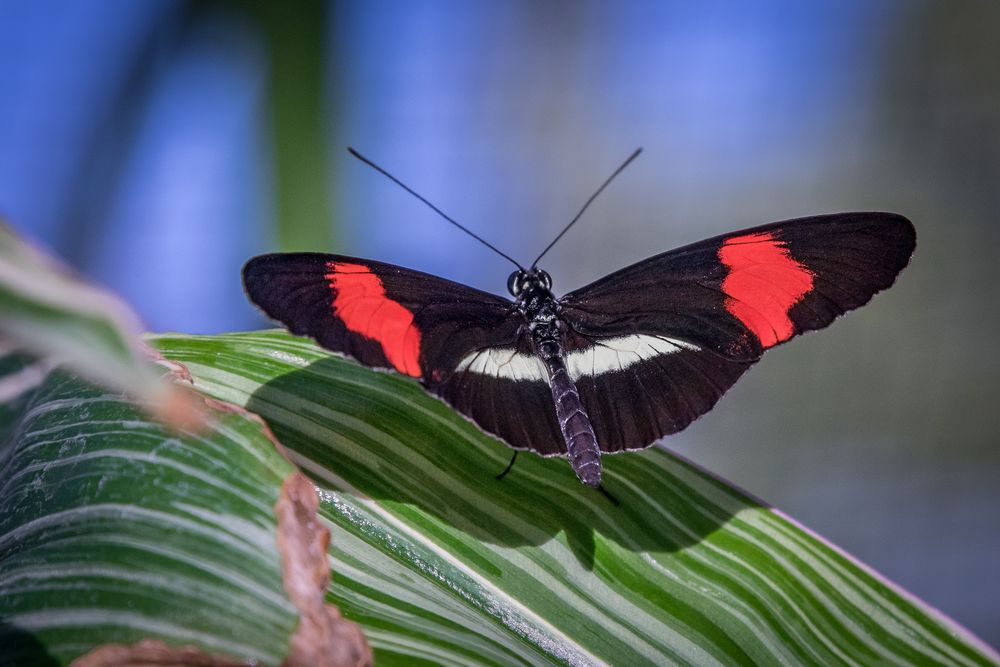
[509, 466]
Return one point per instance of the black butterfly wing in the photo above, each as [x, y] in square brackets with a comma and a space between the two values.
[658, 387]
[505, 390]
[686, 324]
[386, 316]
[383, 315]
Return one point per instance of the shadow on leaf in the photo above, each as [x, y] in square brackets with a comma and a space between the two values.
[387, 439]
[22, 648]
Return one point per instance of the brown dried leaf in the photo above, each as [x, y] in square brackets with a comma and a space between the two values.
[153, 653]
[323, 638]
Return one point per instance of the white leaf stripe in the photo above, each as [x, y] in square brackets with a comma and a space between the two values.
[833, 565]
[398, 587]
[478, 591]
[759, 592]
[858, 590]
[131, 457]
[112, 527]
[797, 547]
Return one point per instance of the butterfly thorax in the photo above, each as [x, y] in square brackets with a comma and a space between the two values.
[541, 315]
[540, 310]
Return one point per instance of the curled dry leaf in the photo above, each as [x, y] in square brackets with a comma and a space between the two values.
[152, 653]
[323, 638]
[175, 402]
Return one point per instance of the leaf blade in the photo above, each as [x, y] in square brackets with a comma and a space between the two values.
[50, 313]
[691, 571]
[113, 529]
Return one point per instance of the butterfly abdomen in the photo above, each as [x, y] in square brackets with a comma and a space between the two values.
[577, 431]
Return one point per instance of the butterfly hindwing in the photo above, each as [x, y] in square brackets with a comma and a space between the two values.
[661, 393]
[506, 393]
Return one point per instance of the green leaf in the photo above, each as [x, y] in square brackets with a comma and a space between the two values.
[114, 529]
[441, 563]
[52, 314]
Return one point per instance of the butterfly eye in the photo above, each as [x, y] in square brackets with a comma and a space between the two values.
[515, 283]
[545, 279]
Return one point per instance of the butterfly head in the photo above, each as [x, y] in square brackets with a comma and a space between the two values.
[524, 281]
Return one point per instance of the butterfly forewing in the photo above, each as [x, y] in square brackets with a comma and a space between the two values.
[741, 293]
[384, 316]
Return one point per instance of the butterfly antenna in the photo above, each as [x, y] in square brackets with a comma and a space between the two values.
[432, 206]
[619, 170]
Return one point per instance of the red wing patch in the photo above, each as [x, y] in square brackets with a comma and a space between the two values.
[763, 284]
[361, 303]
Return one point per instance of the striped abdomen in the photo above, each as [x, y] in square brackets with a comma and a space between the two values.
[577, 431]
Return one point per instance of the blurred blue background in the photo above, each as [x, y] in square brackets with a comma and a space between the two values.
[156, 145]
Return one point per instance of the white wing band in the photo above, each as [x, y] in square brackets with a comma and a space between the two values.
[605, 356]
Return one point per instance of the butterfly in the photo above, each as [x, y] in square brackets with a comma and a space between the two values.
[610, 367]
